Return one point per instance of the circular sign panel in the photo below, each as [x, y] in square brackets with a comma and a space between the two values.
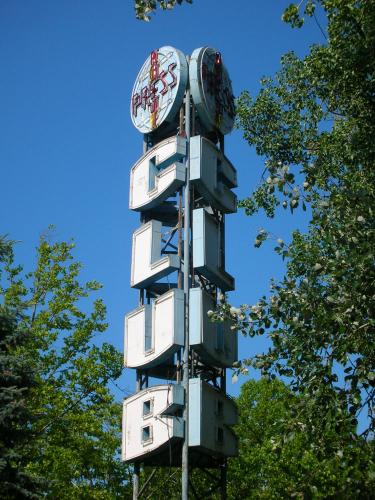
[159, 89]
[211, 90]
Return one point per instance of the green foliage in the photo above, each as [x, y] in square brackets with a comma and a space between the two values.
[278, 460]
[16, 381]
[314, 124]
[144, 7]
[76, 432]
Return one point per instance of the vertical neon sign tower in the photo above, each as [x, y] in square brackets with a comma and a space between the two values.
[182, 188]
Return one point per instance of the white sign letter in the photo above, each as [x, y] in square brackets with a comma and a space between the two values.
[148, 265]
[158, 174]
[154, 332]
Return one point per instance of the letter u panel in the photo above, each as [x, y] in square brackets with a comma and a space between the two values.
[207, 250]
[148, 264]
[158, 174]
[147, 423]
[211, 416]
[216, 343]
[154, 332]
[212, 174]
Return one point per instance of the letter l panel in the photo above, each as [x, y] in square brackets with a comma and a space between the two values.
[148, 265]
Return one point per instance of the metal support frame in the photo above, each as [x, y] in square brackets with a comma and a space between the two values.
[142, 378]
[188, 362]
[185, 378]
[223, 377]
[136, 471]
[168, 243]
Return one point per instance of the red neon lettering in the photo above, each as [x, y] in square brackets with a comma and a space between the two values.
[151, 92]
[162, 77]
[171, 67]
[218, 69]
[154, 74]
[136, 102]
[154, 66]
[154, 103]
[144, 97]
[149, 96]
[152, 98]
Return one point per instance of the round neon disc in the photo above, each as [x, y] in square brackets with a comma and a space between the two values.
[211, 90]
[159, 89]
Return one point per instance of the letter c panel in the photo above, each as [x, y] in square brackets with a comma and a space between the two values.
[158, 174]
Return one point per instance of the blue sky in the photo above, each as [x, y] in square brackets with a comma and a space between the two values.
[67, 141]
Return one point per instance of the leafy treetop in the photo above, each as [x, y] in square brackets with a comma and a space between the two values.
[74, 442]
[314, 124]
[143, 8]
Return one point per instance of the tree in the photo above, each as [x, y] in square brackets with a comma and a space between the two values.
[76, 432]
[277, 461]
[16, 381]
[314, 124]
[144, 7]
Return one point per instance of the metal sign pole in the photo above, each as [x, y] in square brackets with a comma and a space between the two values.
[137, 468]
[185, 448]
[183, 106]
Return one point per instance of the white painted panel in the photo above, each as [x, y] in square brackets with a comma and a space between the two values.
[148, 265]
[212, 174]
[137, 325]
[216, 343]
[157, 174]
[206, 250]
[211, 416]
[162, 322]
[157, 400]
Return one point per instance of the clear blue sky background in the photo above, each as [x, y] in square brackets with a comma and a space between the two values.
[67, 142]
